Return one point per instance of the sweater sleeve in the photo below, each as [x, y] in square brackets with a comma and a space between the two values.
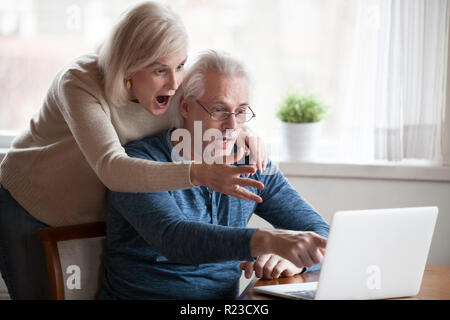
[162, 224]
[96, 137]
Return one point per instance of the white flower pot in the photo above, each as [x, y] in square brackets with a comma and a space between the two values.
[300, 140]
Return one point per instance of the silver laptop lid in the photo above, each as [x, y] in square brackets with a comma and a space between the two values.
[374, 254]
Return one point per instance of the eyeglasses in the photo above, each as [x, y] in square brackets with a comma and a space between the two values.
[241, 116]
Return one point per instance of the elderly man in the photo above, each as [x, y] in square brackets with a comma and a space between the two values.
[188, 244]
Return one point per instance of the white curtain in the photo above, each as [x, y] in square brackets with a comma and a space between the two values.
[395, 103]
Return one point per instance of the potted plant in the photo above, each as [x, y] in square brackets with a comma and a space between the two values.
[301, 116]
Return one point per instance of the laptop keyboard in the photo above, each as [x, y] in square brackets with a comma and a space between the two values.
[308, 294]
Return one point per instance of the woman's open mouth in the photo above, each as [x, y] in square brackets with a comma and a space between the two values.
[162, 101]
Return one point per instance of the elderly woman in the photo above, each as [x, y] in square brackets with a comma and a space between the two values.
[57, 171]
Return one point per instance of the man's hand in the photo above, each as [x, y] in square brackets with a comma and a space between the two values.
[302, 248]
[269, 266]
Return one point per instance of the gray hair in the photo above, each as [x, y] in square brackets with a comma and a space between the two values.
[145, 33]
[210, 61]
[194, 79]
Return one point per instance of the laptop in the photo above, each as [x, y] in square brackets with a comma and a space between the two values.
[370, 254]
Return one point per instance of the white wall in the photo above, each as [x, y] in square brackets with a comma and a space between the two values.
[330, 194]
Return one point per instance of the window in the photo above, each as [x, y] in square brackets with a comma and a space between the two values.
[284, 43]
[396, 93]
[37, 38]
[305, 44]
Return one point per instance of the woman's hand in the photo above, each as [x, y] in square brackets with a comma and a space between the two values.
[253, 146]
[269, 266]
[226, 178]
[256, 148]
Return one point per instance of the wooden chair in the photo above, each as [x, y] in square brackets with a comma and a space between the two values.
[74, 258]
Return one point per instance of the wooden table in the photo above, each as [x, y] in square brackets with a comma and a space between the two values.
[435, 284]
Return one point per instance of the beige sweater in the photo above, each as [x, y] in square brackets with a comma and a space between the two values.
[58, 168]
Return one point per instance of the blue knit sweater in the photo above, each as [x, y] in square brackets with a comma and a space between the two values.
[187, 244]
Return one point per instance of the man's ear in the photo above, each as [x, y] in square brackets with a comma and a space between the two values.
[184, 107]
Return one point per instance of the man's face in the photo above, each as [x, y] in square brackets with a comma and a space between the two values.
[222, 93]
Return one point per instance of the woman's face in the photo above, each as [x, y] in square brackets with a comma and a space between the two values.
[155, 85]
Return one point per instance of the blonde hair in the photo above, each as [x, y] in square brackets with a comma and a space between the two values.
[144, 33]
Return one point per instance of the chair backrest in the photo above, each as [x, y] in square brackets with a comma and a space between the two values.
[74, 258]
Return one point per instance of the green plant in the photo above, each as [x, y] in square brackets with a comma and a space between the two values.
[300, 108]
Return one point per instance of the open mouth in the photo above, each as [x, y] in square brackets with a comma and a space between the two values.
[163, 101]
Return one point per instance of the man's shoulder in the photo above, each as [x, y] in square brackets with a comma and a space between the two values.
[152, 148]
